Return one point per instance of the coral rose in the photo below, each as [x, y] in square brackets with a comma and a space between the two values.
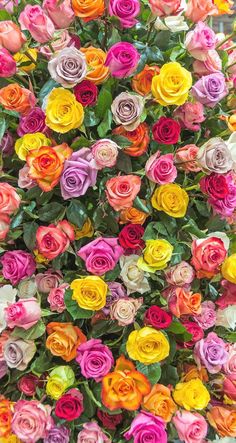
[207, 255]
[181, 301]
[122, 190]
[53, 240]
[159, 402]
[9, 199]
[95, 59]
[223, 420]
[63, 340]
[11, 37]
[142, 82]
[139, 139]
[197, 10]
[15, 98]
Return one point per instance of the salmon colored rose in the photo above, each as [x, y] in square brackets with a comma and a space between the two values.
[223, 420]
[46, 165]
[6, 408]
[95, 59]
[159, 402]
[197, 10]
[63, 339]
[11, 37]
[207, 256]
[139, 139]
[181, 302]
[125, 387]
[15, 98]
[9, 199]
[142, 82]
[54, 240]
[122, 190]
[132, 215]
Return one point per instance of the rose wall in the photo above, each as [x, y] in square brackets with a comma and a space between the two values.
[117, 222]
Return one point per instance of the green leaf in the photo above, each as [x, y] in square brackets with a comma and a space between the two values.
[17, 220]
[4, 15]
[47, 87]
[105, 125]
[90, 119]
[112, 275]
[81, 142]
[216, 224]
[51, 212]
[30, 334]
[104, 102]
[29, 235]
[152, 372]
[138, 204]
[176, 327]
[192, 228]
[2, 124]
[169, 375]
[124, 163]
[41, 363]
[121, 141]
[73, 308]
[76, 213]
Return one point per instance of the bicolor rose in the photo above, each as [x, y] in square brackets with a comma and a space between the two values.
[24, 313]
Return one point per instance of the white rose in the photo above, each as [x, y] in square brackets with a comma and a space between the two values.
[172, 24]
[132, 276]
[7, 295]
[226, 317]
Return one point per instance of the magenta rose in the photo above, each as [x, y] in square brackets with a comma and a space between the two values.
[7, 65]
[210, 89]
[101, 255]
[25, 313]
[17, 265]
[229, 295]
[34, 20]
[146, 427]
[160, 168]
[125, 11]
[33, 122]
[157, 317]
[95, 359]
[211, 352]
[122, 59]
[191, 426]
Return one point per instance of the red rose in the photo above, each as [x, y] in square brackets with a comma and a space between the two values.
[196, 331]
[214, 185]
[86, 93]
[157, 317]
[130, 238]
[27, 384]
[70, 406]
[75, 41]
[166, 131]
[109, 421]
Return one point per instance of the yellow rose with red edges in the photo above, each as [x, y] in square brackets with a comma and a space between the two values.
[171, 86]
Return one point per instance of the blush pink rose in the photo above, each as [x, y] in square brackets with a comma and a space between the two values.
[24, 180]
[199, 41]
[190, 115]
[25, 313]
[60, 13]
[191, 426]
[185, 158]
[61, 40]
[34, 19]
[8, 64]
[229, 295]
[49, 280]
[181, 274]
[56, 298]
[207, 256]
[105, 153]
[165, 8]
[211, 64]
[11, 37]
[229, 368]
[207, 318]
[9, 199]
[161, 169]
[31, 420]
[198, 10]
[92, 433]
[229, 388]
[4, 226]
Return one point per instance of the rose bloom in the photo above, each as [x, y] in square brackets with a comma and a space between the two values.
[211, 64]
[223, 420]
[211, 352]
[7, 144]
[147, 345]
[130, 238]
[132, 215]
[125, 310]
[56, 298]
[199, 41]
[171, 85]
[95, 59]
[190, 115]
[146, 426]
[59, 380]
[24, 313]
[180, 275]
[226, 317]
[17, 265]
[229, 368]
[30, 142]
[127, 109]
[191, 427]
[166, 131]
[105, 153]
[215, 186]
[207, 256]
[165, 8]
[7, 295]
[87, 230]
[34, 20]
[31, 420]
[95, 359]
[215, 156]
[15, 98]
[125, 12]
[116, 291]
[53, 240]
[199, 11]
[63, 111]
[195, 330]
[210, 89]
[171, 199]
[142, 82]
[9, 199]
[101, 255]
[62, 15]
[68, 67]
[89, 9]
[207, 318]
[11, 37]
[92, 433]
[5, 417]
[70, 405]
[27, 384]
[48, 280]
[229, 388]
[24, 180]
[157, 318]
[4, 226]
[86, 93]
[61, 39]
[181, 301]
[139, 139]
[59, 434]
[109, 421]
[160, 168]
[122, 190]
[8, 64]
[33, 122]
[63, 340]
[89, 292]
[18, 353]
[122, 59]
[191, 394]
[156, 255]
[159, 402]
[132, 276]
[229, 295]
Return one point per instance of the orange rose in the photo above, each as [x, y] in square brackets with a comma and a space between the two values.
[223, 419]
[139, 138]
[231, 121]
[132, 215]
[125, 387]
[141, 82]
[15, 98]
[46, 165]
[192, 371]
[88, 10]
[11, 37]
[64, 339]
[181, 301]
[159, 402]
[95, 59]
[5, 417]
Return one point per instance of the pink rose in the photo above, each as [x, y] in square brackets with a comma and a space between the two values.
[105, 153]
[207, 255]
[101, 255]
[25, 313]
[27, 384]
[181, 274]
[199, 41]
[125, 11]
[147, 427]
[92, 433]
[207, 318]
[160, 168]
[198, 10]
[49, 280]
[95, 359]
[54, 240]
[229, 295]
[185, 158]
[34, 19]
[165, 8]
[229, 388]
[31, 420]
[211, 64]
[190, 115]
[122, 59]
[61, 40]
[8, 5]
[8, 64]
[24, 180]
[11, 37]
[17, 265]
[4, 226]
[9, 199]
[229, 368]
[61, 13]
[56, 298]
[191, 426]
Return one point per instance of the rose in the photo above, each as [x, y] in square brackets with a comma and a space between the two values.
[229, 368]
[168, 91]
[15, 98]
[191, 394]
[53, 241]
[225, 206]
[8, 64]
[91, 432]
[226, 317]
[9, 199]
[132, 276]
[231, 122]
[27, 288]
[24, 313]
[17, 265]
[8, 6]
[197, 10]
[159, 402]
[165, 8]
[166, 131]
[95, 59]
[139, 139]
[62, 15]
[181, 301]
[125, 310]
[18, 353]
[24, 180]
[125, 11]
[86, 93]
[30, 142]
[117, 291]
[89, 292]
[157, 318]
[207, 255]
[190, 115]
[130, 238]
[147, 345]
[47, 281]
[195, 330]
[215, 186]
[5, 417]
[56, 298]
[101, 255]
[7, 295]
[109, 421]
[11, 38]
[207, 318]
[4, 226]
[132, 215]
[59, 434]
[228, 297]
[211, 64]
[79, 173]
[147, 427]
[215, 156]
[63, 339]
[34, 20]
[31, 420]
[211, 352]
[142, 82]
[122, 190]
[105, 153]
[59, 380]
[95, 359]
[63, 111]
[156, 255]
[7, 144]
[68, 67]
[228, 269]
[210, 89]
[127, 109]
[222, 419]
[27, 384]
[122, 59]
[173, 23]
[171, 199]
[70, 406]
[191, 427]
[180, 275]
[25, 61]
[33, 122]
[89, 9]
[186, 158]
[160, 168]
[61, 40]
[199, 41]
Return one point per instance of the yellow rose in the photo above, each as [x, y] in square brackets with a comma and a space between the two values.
[191, 394]
[147, 345]
[63, 112]
[171, 199]
[29, 142]
[10, 439]
[171, 85]
[87, 230]
[89, 292]
[23, 58]
[59, 380]
[228, 269]
[156, 255]
[39, 258]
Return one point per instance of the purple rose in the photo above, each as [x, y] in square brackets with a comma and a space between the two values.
[7, 144]
[33, 122]
[147, 428]
[17, 265]
[3, 368]
[101, 255]
[117, 291]
[211, 352]
[210, 89]
[122, 59]
[125, 11]
[58, 434]
[95, 359]
[79, 174]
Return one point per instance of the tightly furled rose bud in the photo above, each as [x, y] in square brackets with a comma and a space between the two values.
[127, 109]
[125, 309]
[27, 384]
[24, 313]
[61, 14]
[11, 37]
[68, 67]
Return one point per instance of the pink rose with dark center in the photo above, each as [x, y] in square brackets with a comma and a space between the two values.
[33, 122]
[101, 255]
[146, 427]
[122, 59]
[27, 384]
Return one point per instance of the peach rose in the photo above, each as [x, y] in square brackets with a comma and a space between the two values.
[15, 98]
[139, 139]
[64, 339]
[192, 371]
[132, 215]
[88, 10]
[122, 190]
[181, 301]
[11, 37]
[9, 199]
[231, 121]
[223, 420]
[95, 59]
[141, 82]
[198, 10]
[54, 240]
[159, 402]
[185, 158]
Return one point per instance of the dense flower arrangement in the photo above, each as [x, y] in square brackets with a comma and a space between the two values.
[117, 222]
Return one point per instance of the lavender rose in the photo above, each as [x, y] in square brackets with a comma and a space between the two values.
[147, 428]
[49, 280]
[18, 353]
[33, 122]
[7, 144]
[215, 156]
[17, 265]
[117, 291]
[58, 434]
[211, 352]
[79, 174]
[95, 359]
[210, 89]
[127, 109]
[68, 67]
[122, 59]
